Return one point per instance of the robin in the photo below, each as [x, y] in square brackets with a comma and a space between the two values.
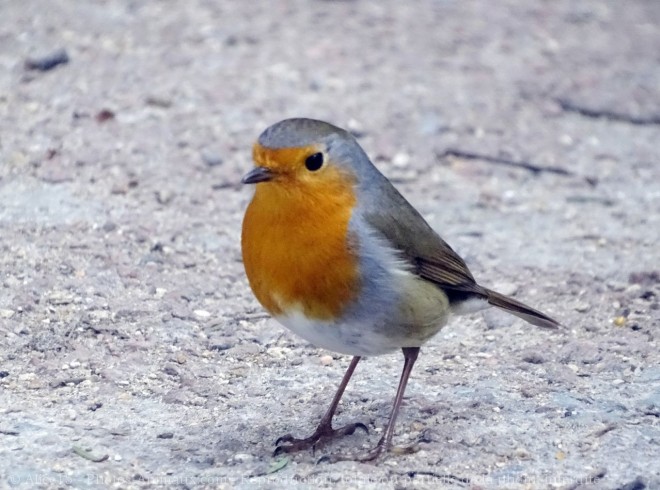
[337, 255]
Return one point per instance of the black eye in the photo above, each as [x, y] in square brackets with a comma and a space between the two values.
[314, 162]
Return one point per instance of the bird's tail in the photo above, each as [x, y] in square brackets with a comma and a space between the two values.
[521, 310]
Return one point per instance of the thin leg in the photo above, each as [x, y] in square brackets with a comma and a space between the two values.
[385, 443]
[289, 444]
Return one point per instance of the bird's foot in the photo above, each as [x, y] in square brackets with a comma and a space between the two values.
[289, 444]
[372, 455]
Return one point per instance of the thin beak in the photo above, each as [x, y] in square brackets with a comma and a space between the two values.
[256, 175]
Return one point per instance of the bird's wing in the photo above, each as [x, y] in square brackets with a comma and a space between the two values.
[432, 258]
[429, 255]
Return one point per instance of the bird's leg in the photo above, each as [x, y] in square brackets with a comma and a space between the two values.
[289, 444]
[385, 443]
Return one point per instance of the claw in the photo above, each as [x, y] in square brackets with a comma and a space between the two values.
[324, 459]
[412, 449]
[284, 438]
[289, 444]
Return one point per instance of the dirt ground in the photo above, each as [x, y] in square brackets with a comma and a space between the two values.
[132, 352]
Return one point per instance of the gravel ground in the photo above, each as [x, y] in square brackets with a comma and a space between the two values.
[132, 353]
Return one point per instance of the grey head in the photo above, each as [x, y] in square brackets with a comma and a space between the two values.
[298, 132]
[340, 145]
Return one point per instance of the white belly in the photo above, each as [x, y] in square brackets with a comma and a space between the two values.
[420, 311]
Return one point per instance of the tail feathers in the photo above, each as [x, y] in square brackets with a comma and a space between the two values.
[521, 310]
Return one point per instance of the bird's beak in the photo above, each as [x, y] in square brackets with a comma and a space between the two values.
[257, 174]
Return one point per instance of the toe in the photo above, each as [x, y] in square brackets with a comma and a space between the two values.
[283, 439]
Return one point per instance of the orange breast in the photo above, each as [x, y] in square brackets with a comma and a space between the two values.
[296, 250]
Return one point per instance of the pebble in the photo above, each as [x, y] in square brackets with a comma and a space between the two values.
[619, 321]
[582, 307]
[401, 160]
[211, 157]
[60, 298]
[109, 226]
[243, 457]
[534, 357]
[506, 288]
[326, 360]
[6, 314]
[48, 61]
[202, 313]
[164, 196]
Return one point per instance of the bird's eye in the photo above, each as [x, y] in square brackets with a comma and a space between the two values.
[314, 162]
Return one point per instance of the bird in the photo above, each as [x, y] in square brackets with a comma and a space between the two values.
[337, 255]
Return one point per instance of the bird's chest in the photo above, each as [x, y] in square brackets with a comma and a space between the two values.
[298, 256]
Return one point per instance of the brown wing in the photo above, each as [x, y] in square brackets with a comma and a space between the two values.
[431, 257]
[434, 260]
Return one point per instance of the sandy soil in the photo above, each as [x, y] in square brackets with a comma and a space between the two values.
[132, 353]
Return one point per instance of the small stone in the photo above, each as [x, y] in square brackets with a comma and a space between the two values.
[104, 115]
[6, 313]
[212, 157]
[202, 313]
[60, 298]
[220, 346]
[94, 406]
[522, 453]
[401, 160]
[47, 61]
[326, 360]
[619, 321]
[243, 457]
[165, 435]
[164, 196]
[117, 457]
[506, 288]
[534, 357]
[74, 364]
[356, 128]
[181, 358]
[582, 307]
[158, 101]
[171, 371]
